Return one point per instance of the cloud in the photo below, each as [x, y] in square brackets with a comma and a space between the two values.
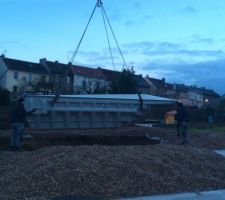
[9, 42]
[173, 61]
[209, 74]
[114, 15]
[89, 54]
[149, 45]
[201, 40]
[137, 5]
[179, 63]
[94, 59]
[130, 23]
[6, 43]
[146, 18]
[139, 21]
[185, 52]
[187, 10]
[171, 52]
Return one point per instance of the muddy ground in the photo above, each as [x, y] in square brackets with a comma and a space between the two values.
[129, 135]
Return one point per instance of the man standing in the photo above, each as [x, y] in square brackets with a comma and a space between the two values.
[18, 118]
[182, 119]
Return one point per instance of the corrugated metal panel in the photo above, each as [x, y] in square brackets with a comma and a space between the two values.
[87, 111]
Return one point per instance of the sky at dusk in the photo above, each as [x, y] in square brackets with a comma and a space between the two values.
[180, 40]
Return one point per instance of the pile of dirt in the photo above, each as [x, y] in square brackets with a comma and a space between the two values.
[117, 136]
[108, 171]
[200, 139]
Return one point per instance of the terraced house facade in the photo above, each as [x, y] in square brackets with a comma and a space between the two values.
[27, 77]
[20, 76]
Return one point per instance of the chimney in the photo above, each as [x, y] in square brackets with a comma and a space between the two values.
[163, 80]
[174, 86]
[43, 62]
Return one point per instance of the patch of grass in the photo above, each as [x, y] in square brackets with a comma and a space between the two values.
[219, 129]
[212, 128]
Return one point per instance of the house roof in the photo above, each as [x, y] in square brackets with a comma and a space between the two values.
[141, 81]
[169, 86]
[181, 88]
[114, 75]
[58, 68]
[208, 92]
[87, 71]
[159, 83]
[185, 88]
[176, 87]
[110, 75]
[19, 65]
[172, 112]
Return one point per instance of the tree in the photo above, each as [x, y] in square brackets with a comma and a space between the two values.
[221, 106]
[125, 83]
[4, 97]
[44, 87]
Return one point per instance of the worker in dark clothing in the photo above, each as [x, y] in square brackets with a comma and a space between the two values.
[18, 118]
[182, 119]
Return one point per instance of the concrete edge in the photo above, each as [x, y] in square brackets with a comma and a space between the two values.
[207, 195]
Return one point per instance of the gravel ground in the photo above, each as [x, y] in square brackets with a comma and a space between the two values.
[108, 172]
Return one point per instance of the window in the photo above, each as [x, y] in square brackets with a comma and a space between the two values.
[24, 78]
[43, 77]
[84, 84]
[68, 80]
[15, 89]
[30, 77]
[16, 75]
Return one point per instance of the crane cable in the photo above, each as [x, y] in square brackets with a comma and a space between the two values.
[98, 4]
[79, 43]
[59, 86]
[105, 18]
[121, 54]
[107, 35]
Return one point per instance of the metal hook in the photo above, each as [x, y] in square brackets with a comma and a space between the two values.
[99, 3]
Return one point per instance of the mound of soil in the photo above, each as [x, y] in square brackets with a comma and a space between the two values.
[119, 136]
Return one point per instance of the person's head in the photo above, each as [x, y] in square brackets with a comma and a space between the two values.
[21, 100]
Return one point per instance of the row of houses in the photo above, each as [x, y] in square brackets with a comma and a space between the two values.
[21, 77]
[189, 95]
[46, 76]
